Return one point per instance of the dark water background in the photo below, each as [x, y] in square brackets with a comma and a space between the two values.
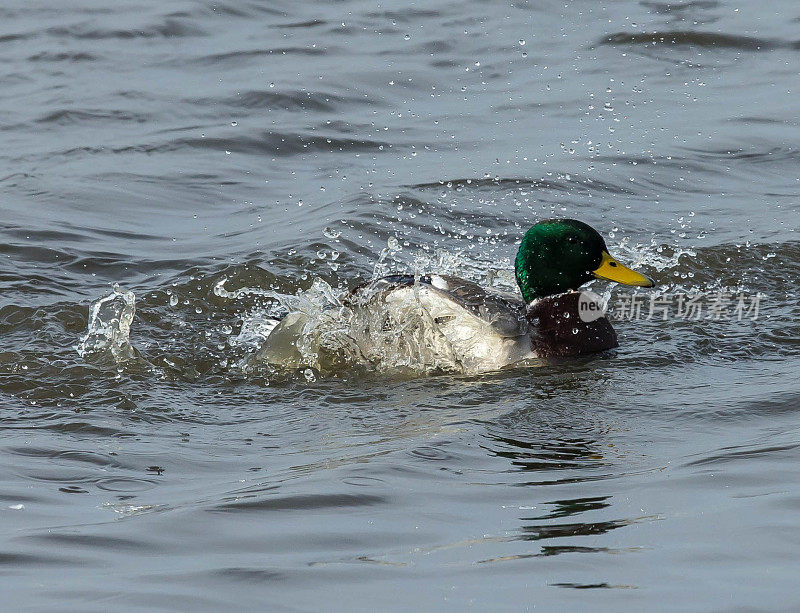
[166, 146]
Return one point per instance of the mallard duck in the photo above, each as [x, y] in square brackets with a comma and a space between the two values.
[486, 329]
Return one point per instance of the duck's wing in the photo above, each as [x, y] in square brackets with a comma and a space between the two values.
[505, 313]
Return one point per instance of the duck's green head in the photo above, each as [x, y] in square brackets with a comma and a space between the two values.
[558, 255]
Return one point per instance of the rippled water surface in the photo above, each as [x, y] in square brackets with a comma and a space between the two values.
[209, 157]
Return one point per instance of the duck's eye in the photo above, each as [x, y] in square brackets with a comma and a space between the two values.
[572, 239]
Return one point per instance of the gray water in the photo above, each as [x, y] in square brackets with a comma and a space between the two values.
[168, 147]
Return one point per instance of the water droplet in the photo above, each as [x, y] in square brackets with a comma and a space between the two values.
[575, 330]
[309, 375]
[394, 244]
[173, 300]
[331, 233]
[407, 37]
[522, 41]
[234, 123]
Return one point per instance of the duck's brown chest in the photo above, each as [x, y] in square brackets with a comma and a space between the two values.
[561, 332]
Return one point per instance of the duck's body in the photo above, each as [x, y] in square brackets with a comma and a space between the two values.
[486, 329]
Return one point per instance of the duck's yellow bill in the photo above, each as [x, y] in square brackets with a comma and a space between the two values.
[614, 271]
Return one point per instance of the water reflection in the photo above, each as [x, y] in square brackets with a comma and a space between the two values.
[555, 437]
[565, 508]
[547, 455]
[537, 532]
[553, 433]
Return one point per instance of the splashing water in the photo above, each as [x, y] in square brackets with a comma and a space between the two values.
[330, 332]
[655, 255]
[110, 326]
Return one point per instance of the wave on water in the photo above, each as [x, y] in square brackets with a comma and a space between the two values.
[695, 39]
